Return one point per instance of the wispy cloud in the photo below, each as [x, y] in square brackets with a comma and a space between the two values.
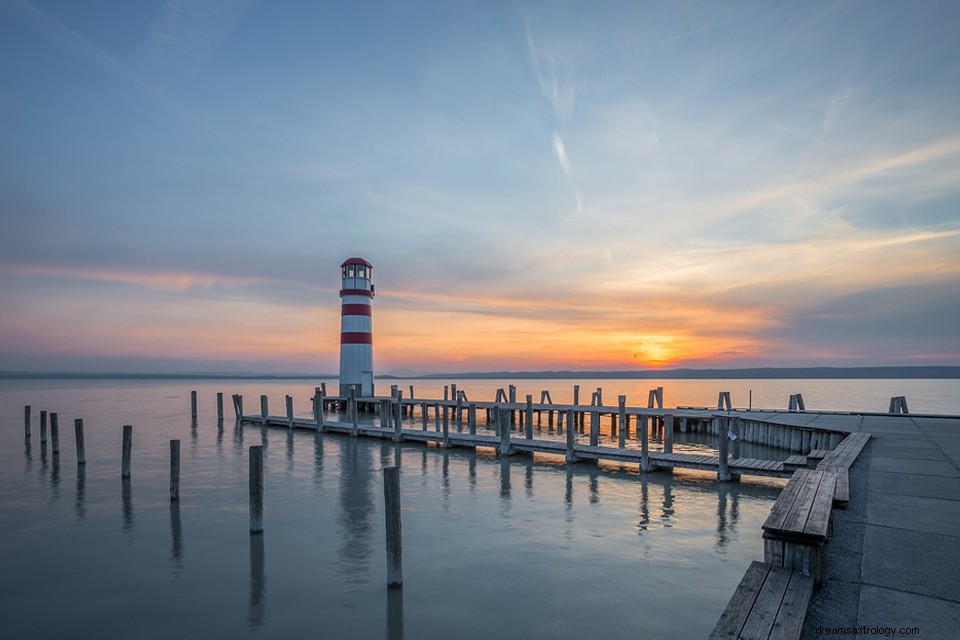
[78, 45]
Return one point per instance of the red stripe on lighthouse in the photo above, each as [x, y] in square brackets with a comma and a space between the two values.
[355, 310]
[356, 337]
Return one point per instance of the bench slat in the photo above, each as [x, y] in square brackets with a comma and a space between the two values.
[797, 517]
[793, 609]
[818, 522]
[764, 612]
[778, 513]
[741, 602]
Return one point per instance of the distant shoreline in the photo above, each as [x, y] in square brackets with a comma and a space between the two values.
[760, 373]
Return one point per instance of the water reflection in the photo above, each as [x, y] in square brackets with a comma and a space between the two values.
[666, 511]
[289, 450]
[528, 479]
[55, 478]
[594, 486]
[472, 469]
[644, 521]
[505, 505]
[79, 505]
[128, 515]
[256, 610]
[394, 614]
[445, 480]
[176, 541]
[356, 507]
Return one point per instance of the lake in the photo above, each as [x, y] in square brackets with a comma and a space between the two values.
[513, 548]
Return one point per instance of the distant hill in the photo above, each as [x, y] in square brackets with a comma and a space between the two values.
[793, 373]
[786, 373]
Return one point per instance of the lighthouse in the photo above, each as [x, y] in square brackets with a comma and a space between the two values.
[356, 331]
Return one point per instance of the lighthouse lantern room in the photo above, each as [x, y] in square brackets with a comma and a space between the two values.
[356, 329]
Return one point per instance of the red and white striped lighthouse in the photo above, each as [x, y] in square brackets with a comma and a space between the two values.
[356, 330]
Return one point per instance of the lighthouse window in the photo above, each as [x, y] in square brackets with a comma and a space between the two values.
[361, 272]
[349, 270]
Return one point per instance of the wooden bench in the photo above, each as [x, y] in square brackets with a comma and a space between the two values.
[798, 525]
[840, 460]
[770, 602]
[818, 454]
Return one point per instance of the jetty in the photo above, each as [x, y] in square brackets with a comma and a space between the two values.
[828, 559]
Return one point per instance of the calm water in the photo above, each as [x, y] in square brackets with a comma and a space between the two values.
[513, 549]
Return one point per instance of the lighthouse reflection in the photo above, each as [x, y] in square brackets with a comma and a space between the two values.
[356, 508]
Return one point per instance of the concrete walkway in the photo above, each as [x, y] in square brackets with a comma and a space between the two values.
[894, 558]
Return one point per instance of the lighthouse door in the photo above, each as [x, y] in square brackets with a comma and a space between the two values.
[367, 380]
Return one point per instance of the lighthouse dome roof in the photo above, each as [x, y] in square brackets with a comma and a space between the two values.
[360, 261]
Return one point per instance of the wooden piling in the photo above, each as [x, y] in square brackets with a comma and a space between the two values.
[668, 433]
[643, 428]
[127, 450]
[528, 423]
[622, 419]
[289, 403]
[394, 538]
[239, 408]
[78, 436]
[193, 405]
[43, 427]
[723, 474]
[503, 416]
[26, 423]
[594, 428]
[220, 407]
[424, 417]
[736, 428]
[55, 433]
[472, 418]
[398, 420]
[571, 437]
[446, 426]
[174, 469]
[458, 416]
[256, 489]
[264, 410]
[352, 410]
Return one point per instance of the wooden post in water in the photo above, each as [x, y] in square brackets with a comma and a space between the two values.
[668, 433]
[398, 421]
[239, 407]
[594, 428]
[174, 469]
[43, 427]
[385, 413]
[737, 432]
[643, 429]
[528, 422]
[459, 412]
[55, 433]
[127, 450]
[26, 423]
[446, 426]
[264, 410]
[472, 418]
[723, 475]
[391, 504]
[193, 406]
[256, 489]
[321, 405]
[622, 419]
[571, 437]
[220, 407]
[503, 416]
[289, 402]
[352, 409]
[424, 414]
[78, 435]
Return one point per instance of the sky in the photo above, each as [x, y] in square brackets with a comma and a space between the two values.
[538, 185]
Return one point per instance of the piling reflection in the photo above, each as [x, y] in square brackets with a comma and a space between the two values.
[472, 470]
[176, 541]
[55, 478]
[666, 510]
[445, 480]
[128, 515]
[257, 607]
[80, 503]
[356, 508]
[505, 505]
[528, 478]
[289, 450]
[594, 486]
[394, 614]
[723, 489]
